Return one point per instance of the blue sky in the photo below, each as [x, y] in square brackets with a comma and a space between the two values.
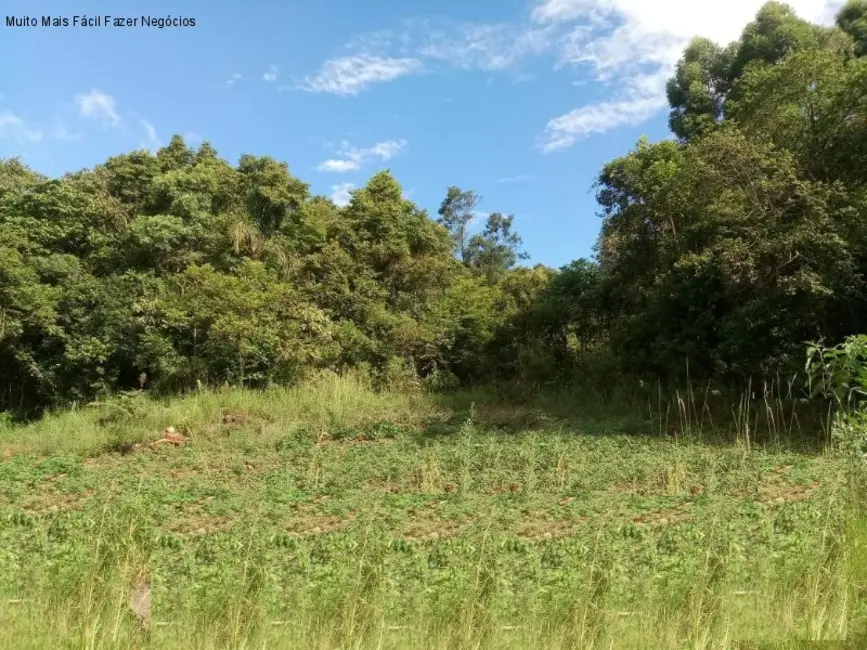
[521, 101]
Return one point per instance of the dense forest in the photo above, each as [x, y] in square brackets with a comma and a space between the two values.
[725, 248]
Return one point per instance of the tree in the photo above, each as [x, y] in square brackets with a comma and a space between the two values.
[175, 155]
[776, 32]
[706, 78]
[699, 87]
[852, 19]
[271, 193]
[497, 248]
[814, 104]
[457, 212]
[720, 252]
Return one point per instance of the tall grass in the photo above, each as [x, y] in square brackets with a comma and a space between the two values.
[321, 404]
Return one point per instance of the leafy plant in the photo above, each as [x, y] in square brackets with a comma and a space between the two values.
[839, 372]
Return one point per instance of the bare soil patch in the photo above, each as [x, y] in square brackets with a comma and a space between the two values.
[54, 501]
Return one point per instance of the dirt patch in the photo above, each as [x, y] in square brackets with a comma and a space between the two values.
[318, 524]
[425, 509]
[361, 439]
[540, 528]
[630, 488]
[56, 502]
[425, 527]
[677, 515]
[311, 505]
[307, 521]
[200, 524]
[191, 518]
[636, 489]
[782, 494]
[377, 485]
[505, 488]
[775, 488]
[183, 472]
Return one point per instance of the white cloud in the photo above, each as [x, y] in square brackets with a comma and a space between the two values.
[352, 157]
[62, 133]
[15, 128]
[235, 78]
[388, 149]
[520, 178]
[271, 75]
[635, 45]
[340, 194]
[378, 42]
[562, 132]
[98, 106]
[339, 166]
[350, 75]
[151, 142]
[468, 46]
[482, 46]
[192, 138]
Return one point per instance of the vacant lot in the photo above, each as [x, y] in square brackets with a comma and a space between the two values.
[332, 517]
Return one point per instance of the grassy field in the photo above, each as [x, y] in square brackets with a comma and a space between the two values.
[329, 516]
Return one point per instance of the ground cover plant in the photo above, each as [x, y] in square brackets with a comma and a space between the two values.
[331, 516]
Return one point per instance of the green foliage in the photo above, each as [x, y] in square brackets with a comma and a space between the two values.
[727, 249]
[720, 251]
[699, 87]
[496, 249]
[456, 214]
[839, 372]
[852, 19]
[814, 104]
[775, 33]
[182, 268]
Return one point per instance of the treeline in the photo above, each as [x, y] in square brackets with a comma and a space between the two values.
[726, 248]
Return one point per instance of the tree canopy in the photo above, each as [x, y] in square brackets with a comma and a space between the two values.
[726, 248]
